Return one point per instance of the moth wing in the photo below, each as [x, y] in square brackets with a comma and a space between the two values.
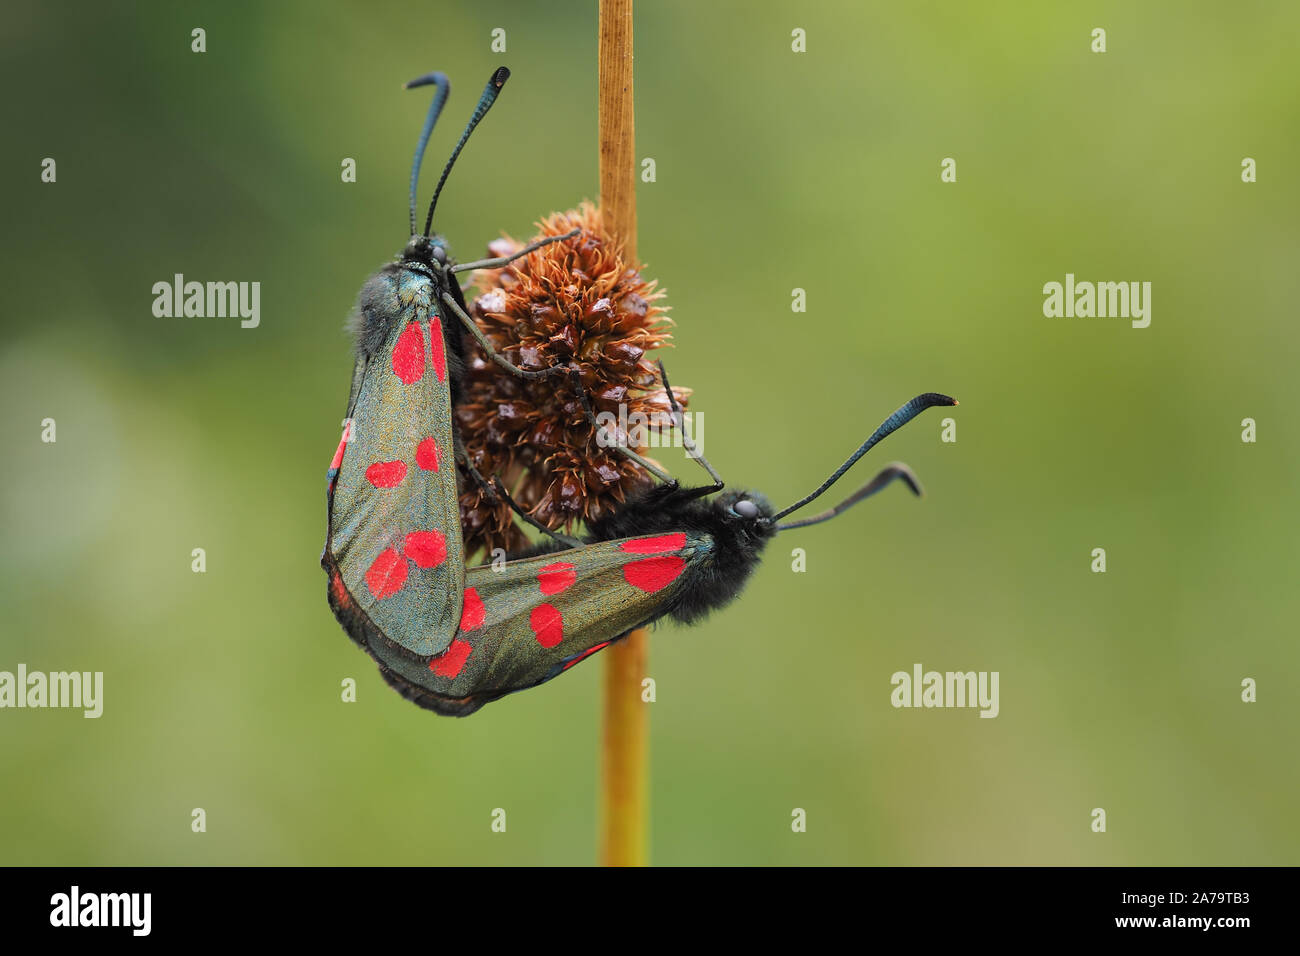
[394, 513]
[535, 617]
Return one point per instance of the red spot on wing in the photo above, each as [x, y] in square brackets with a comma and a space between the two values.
[585, 654]
[408, 354]
[386, 474]
[555, 578]
[426, 454]
[437, 347]
[547, 625]
[337, 460]
[427, 549]
[387, 574]
[341, 597]
[472, 613]
[666, 542]
[451, 661]
[654, 574]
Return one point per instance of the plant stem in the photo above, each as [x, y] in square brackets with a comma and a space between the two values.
[624, 768]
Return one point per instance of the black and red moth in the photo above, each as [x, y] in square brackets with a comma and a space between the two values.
[452, 638]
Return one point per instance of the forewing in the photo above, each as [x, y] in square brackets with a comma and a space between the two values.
[394, 518]
[534, 618]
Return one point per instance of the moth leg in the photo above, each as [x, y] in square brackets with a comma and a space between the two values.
[604, 441]
[500, 491]
[491, 352]
[687, 442]
[462, 456]
[506, 260]
[497, 492]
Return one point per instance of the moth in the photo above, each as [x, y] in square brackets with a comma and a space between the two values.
[673, 551]
[452, 638]
[393, 550]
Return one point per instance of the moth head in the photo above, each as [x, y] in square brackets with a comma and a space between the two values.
[430, 250]
[427, 247]
[747, 511]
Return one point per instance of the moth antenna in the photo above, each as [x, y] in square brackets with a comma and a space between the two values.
[893, 471]
[494, 84]
[435, 108]
[891, 424]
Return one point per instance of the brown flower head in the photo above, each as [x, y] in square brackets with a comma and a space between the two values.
[571, 302]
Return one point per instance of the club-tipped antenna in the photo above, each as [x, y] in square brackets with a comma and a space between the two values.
[435, 108]
[494, 84]
[891, 424]
[888, 475]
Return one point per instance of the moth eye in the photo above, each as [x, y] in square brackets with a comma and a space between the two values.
[440, 255]
[745, 508]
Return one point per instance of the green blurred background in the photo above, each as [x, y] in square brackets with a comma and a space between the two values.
[775, 170]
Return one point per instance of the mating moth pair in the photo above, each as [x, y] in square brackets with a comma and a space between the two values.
[450, 637]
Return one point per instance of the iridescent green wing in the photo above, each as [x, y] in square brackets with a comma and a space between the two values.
[394, 519]
[536, 617]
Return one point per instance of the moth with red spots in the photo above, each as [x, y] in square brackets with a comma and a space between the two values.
[453, 639]
[673, 551]
[393, 549]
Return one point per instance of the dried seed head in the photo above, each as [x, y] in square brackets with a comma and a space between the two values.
[571, 302]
